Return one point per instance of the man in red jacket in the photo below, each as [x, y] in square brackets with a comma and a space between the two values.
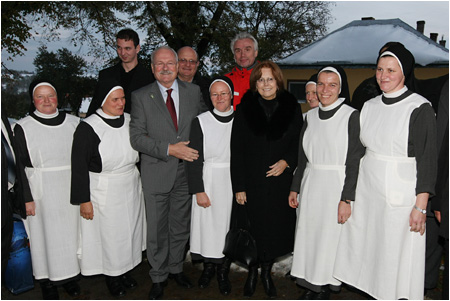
[245, 49]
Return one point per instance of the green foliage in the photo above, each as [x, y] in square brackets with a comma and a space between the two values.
[208, 26]
[66, 71]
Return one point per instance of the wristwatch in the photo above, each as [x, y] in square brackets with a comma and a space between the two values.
[421, 210]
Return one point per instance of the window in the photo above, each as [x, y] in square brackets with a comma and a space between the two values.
[297, 88]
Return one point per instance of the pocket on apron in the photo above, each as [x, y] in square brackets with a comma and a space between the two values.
[99, 189]
[401, 183]
[34, 177]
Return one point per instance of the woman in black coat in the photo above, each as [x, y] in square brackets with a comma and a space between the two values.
[264, 145]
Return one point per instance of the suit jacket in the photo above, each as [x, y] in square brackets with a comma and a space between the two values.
[142, 76]
[152, 130]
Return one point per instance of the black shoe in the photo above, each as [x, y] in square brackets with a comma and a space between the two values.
[115, 286]
[49, 290]
[252, 279]
[324, 293]
[72, 288]
[222, 277]
[181, 280]
[309, 295]
[266, 279]
[128, 281]
[157, 290]
[207, 274]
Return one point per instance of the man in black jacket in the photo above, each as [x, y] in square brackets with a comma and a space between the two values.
[129, 73]
[188, 63]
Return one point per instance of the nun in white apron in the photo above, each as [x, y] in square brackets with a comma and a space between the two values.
[209, 181]
[310, 92]
[324, 183]
[44, 142]
[107, 185]
[382, 246]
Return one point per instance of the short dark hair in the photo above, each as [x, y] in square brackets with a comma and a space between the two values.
[128, 34]
[276, 72]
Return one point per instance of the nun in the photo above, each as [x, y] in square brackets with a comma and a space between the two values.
[323, 187]
[382, 246]
[44, 144]
[209, 181]
[310, 93]
[107, 187]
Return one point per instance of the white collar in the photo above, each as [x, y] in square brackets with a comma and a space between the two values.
[334, 105]
[46, 116]
[104, 115]
[223, 114]
[396, 93]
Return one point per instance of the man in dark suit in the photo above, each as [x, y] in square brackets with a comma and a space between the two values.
[12, 196]
[441, 201]
[161, 119]
[129, 73]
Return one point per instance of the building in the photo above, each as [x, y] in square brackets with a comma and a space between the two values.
[355, 47]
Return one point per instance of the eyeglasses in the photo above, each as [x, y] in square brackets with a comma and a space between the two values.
[161, 65]
[222, 95]
[185, 62]
[265, 80]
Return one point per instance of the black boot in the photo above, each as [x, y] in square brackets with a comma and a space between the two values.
[209, 269]
[49, 290]
[324, 293]
[115, 286]
[252, 279]
[309, 295]
[266, 279]
[222, 277]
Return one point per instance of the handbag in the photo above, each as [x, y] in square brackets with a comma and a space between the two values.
[241, 246]
[19, 273]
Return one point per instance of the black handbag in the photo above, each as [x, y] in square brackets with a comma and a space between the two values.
[241, 246]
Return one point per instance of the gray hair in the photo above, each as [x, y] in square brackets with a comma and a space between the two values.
[163, 47]
[241, 36]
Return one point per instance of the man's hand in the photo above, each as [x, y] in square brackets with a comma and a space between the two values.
[182, 151]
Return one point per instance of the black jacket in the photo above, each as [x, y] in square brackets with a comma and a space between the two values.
[140, 77]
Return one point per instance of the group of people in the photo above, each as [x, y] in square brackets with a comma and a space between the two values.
[344, 191]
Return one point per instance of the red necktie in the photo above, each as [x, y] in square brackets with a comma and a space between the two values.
[171, 107]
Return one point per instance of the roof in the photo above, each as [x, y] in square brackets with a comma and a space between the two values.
[357, 44]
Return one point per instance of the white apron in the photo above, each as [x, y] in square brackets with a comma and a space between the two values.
[325, 143]
[53, 231]
[113, 241]
[377, 252]
[209, 226]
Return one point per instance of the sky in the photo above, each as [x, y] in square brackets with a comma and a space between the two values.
[434, 13]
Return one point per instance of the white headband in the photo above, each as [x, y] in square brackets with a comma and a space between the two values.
[334, 70]
[311, 82]
[392, 54]
[110, 91]
[43, 84]
[221, 80]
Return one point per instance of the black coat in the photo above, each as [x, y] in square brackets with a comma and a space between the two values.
[141, 77]
[256, 144]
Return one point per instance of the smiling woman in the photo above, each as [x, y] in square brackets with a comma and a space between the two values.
[106, 184]
[264, 144]
[44, 140]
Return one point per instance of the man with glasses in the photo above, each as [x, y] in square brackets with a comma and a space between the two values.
[128, 72]
[161, 119]
[245, 49]
[187, 71]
